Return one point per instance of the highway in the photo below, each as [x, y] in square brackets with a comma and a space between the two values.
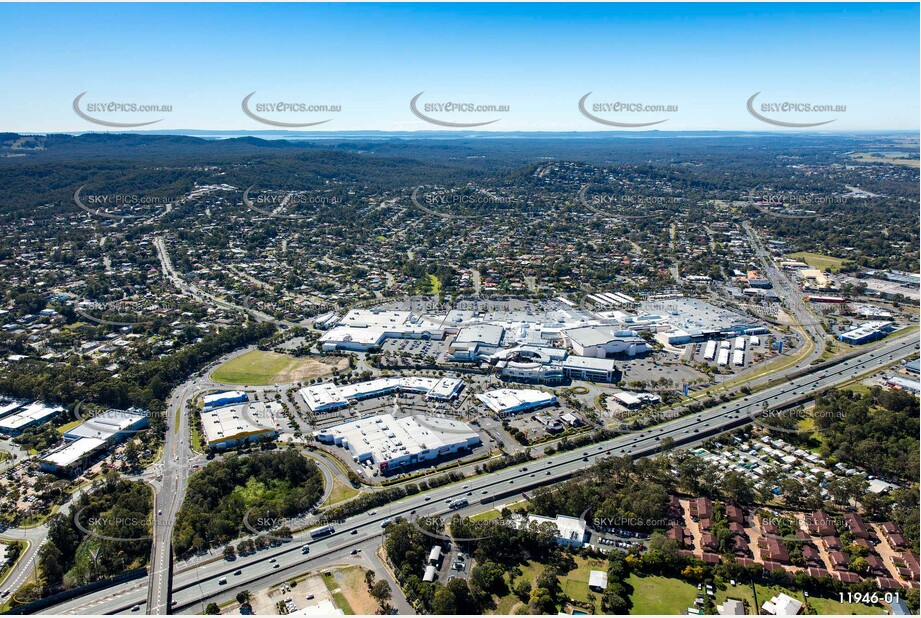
[199, 583]
[788, 292]
[175, 464]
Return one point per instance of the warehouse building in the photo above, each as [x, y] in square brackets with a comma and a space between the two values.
[92, 439]
[215, 400]
[328, 396]
[8, 406]
[237, 424]
[394, 444]
[113, 426]
[912, 386]
[74, 457]
[866, 333]
[36, 413]
[511, 400]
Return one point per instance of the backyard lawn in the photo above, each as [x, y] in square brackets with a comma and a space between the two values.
[660, 595]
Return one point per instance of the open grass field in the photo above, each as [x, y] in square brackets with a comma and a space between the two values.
[340, 492]
[865, 157]
[660, 595]
[819, 261]
[258, 368]
[349, 590]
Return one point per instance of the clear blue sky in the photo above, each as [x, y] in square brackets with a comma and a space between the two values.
[539, 59]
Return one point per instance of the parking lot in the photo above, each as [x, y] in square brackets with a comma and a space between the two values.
[415, 351]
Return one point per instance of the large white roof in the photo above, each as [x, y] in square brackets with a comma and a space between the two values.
[504, 399]
[73, 451]
[386, 438]
[36, 411]
[105, 425]
[321, 396]
[239, 420]
[571, 528]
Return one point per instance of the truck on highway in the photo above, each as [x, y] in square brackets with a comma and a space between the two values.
[458, 503]
[317, 533]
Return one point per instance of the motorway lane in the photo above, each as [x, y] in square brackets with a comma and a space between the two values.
[176, 462]
[196, 585]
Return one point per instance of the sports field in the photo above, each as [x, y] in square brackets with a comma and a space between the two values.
[258, 368]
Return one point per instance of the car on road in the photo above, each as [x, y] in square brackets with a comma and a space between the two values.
[355, 531]
[222, 581]
[238, 572]
[135, 608]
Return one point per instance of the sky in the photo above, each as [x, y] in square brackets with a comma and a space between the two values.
[697, 64]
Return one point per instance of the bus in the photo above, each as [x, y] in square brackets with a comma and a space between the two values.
[316, 533]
